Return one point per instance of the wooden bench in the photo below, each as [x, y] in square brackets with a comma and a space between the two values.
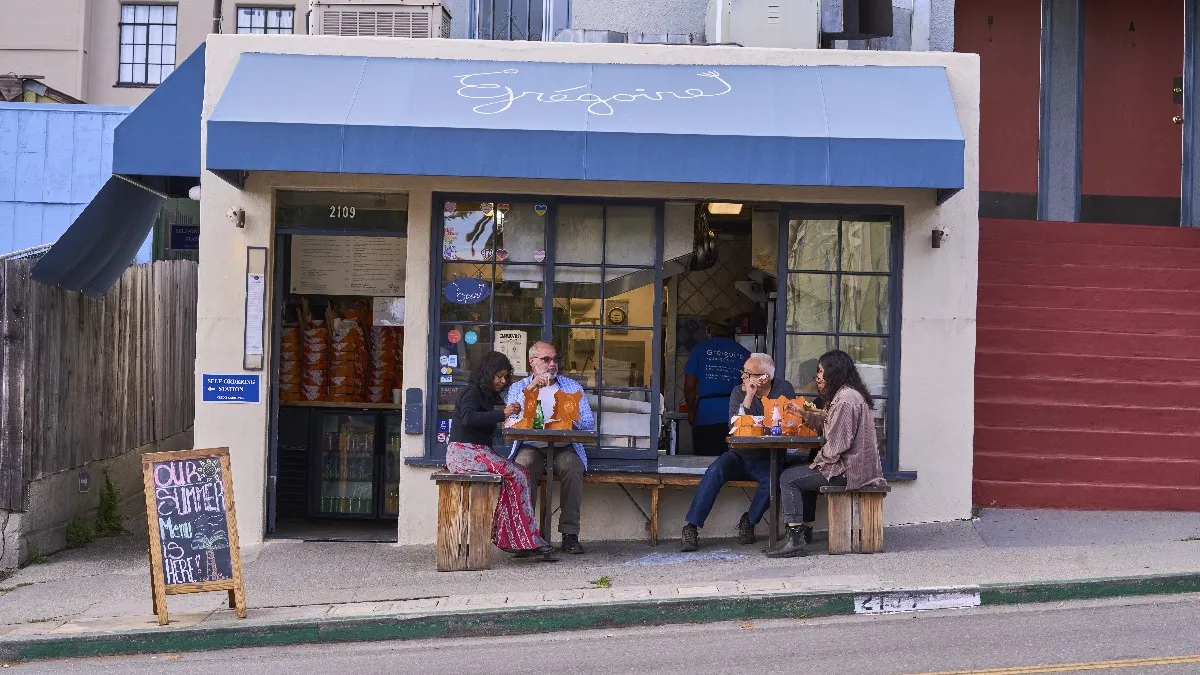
[466, 508]
[855, 519]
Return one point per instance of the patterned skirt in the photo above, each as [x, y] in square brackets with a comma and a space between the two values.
[514, 527]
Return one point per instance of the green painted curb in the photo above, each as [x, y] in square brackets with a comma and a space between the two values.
[575, 616]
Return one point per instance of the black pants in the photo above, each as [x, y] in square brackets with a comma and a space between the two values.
[798, 492]
[708, 440]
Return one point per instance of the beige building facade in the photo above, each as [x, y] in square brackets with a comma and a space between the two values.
[111, 52]
[936, 327]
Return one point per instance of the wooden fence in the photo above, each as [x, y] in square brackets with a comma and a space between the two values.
[84, 379]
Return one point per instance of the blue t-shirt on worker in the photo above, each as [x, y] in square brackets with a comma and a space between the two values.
[717, 364]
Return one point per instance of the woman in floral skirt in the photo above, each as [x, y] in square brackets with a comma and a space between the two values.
[475, 420]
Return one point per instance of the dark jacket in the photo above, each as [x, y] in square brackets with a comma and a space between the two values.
[475, 417]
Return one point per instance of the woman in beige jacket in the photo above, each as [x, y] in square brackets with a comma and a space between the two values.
[849, 457]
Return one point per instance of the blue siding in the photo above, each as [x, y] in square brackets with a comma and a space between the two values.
[53, 160]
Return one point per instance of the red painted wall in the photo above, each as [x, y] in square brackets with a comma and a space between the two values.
[1130, 145]
[1010, 62]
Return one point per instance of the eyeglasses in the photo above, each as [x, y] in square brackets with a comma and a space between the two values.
[547, 359]
[746, 374]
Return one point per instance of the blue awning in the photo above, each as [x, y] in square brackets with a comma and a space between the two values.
[102, 242]
[156, 153]
[852, 126]
[161, 137]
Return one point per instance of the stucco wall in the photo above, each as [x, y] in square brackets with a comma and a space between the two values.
[937, 329]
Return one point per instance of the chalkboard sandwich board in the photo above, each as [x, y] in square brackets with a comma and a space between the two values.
[192, 523]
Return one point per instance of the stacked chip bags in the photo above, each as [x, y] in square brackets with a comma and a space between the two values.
[347, 359]
[383, 361]
[290, 358]
[316, 360]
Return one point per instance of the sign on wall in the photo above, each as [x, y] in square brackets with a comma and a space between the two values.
[514, 344]
[192, 523]
[229, 388]
[370, 266]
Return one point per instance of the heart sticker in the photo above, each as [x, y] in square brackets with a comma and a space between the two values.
[539, 256]
[540, 209]
[502, 207]
[488, 208]
[451, 207]
[501, 254]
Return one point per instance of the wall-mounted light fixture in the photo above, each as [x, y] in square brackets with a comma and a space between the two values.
[236, 216]
[938, 237]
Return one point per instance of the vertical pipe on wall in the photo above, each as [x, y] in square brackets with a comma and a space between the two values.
[1061, 139]
[1189, 212]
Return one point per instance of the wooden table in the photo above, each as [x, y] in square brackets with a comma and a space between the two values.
[553, 438]
[773, 445]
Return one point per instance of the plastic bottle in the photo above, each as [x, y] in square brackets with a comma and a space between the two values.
[539, 420]
[776, 422]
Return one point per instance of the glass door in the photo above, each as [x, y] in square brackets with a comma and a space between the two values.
[346, 464]
[392, 433]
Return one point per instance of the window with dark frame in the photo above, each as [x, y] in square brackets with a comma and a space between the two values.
[266, 20]
[841, 293]
[147, 43]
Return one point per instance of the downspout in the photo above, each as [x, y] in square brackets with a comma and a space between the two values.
[217, 10]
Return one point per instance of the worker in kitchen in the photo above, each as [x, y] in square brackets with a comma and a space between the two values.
[713, 370]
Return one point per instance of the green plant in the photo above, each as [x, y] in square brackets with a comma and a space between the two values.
[602, 582]
[79, 534]
[36, 557]
[109, 521]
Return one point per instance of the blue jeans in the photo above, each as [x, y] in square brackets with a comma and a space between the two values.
[729, 466]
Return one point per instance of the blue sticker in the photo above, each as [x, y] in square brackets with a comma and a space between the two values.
[471, 337]
[446, 379]
[444, 426]
[467, 291]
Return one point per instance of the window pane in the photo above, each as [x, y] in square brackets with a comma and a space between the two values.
[156, 35]
[463, 347]
[273, 19]
[154, 55]
[866, 247]
[880, 412]
[535, 20]
[870, 357]
[139, 53]
[629, 297]
[577, 296]
[802, 354]
[244, 30]
[580, 230]
[126, 13]
[629, 235]
[155, 74]
[126, 53]
[126, 35]
[811, 302]
[169, 35]
[470, 231]
[864, 304]
[812, 244]
[139, 73]
[168, 58]
[126, 72]
[139, 35]
[518, 294]
[466, 292]
[156, 14]
[141, 13]
[243, 18]
[515, 341]
[624, 418]
[522, 232]
[286, 17]
[167, 70]
[627, 358]
[577, 348]
[169, 14]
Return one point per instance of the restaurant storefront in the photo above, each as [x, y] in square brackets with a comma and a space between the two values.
[447, 198]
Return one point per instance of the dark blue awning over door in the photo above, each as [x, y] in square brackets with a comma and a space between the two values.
[852, 126]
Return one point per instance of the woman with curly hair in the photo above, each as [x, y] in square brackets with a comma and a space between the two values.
[849, 457]
[474, 423]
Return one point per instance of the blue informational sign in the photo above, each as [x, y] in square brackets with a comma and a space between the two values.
[230, 388]
[467, 291]
[185, 237]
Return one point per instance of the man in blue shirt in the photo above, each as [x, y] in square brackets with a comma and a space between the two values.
[569, 466]
[713, 370]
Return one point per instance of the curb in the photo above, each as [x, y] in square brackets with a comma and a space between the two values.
[583, 615]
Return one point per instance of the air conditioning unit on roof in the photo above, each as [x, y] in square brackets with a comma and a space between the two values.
[399, 18]
[794, 24]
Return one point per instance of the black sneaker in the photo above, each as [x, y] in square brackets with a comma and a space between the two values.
[691, 539]
[570, 544]
[807, 531]
[745, 531]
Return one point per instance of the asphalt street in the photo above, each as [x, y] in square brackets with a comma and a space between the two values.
[1156, 635]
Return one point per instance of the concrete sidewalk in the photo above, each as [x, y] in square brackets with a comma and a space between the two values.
[96, 600]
